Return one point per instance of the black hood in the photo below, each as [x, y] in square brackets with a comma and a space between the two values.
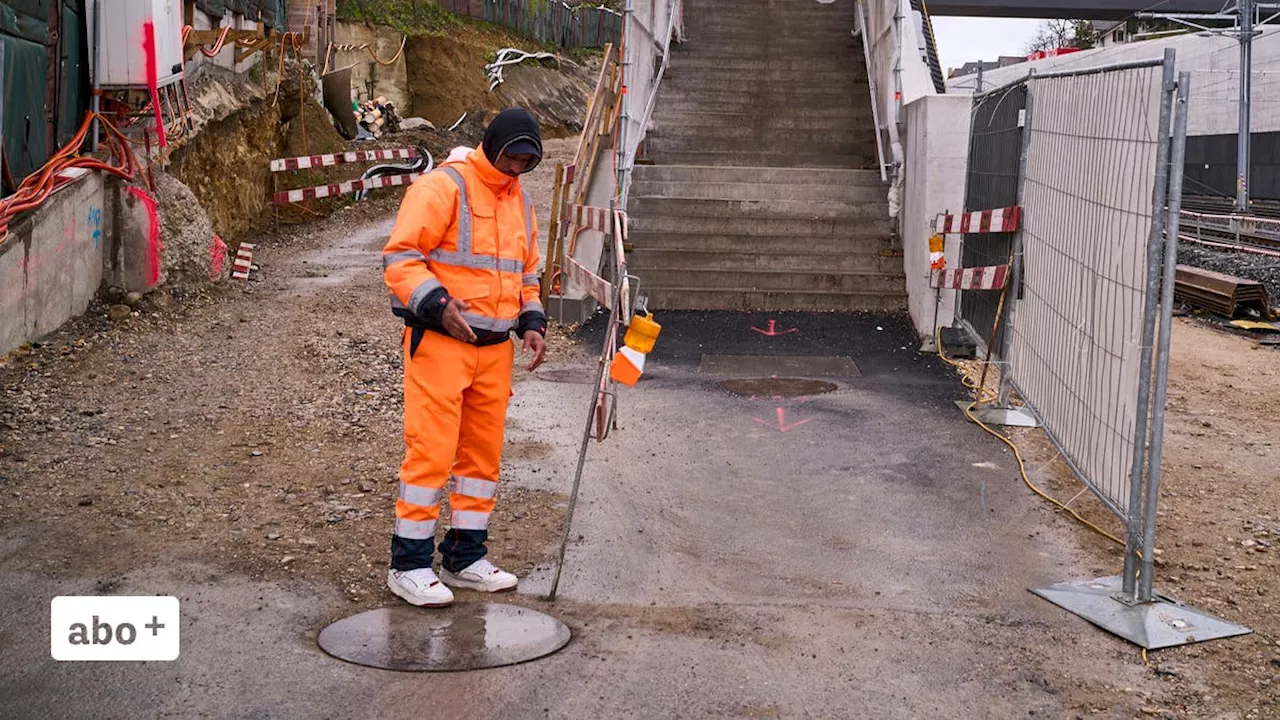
[511, 126]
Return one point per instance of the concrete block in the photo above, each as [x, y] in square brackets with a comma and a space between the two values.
[51, 265]
[134, 265]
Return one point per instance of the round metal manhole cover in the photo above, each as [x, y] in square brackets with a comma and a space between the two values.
[463, 636]
[776, 387]
[579, 374]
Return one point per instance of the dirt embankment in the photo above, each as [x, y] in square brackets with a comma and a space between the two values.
[447, 78]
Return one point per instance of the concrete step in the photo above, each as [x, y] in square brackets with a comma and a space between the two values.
[815, 54]
[720, 173]
[824, 119]
[865, 237]
[772, 280]
[856, 259]
[758, 191]
[751, 138]
[854, 104]
[709, 232]
[764, 153]
[772, 208]
[775, 99]
[830, 62]
[677, 298]
[766, 159]
[766, 76]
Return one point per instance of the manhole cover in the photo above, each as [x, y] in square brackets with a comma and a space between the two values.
[776, 387]
[583, 374]
[463, 636]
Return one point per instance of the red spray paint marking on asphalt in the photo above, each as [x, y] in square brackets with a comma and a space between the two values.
[782, 421]
[773, 329]
[153, 76]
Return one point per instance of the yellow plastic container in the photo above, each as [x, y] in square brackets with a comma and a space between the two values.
[642, 333]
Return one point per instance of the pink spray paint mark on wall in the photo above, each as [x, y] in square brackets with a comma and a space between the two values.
[154, 245]
[153, 76]
[217, 256]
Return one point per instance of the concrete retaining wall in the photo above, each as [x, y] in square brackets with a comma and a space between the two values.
[52, 263]
[55, 259]
[368, 78]
[936, 149]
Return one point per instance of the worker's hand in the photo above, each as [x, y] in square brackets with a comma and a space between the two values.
[455, 324]
[534, 341]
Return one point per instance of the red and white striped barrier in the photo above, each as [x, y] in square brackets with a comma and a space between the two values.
[586, 217]
[332, 189]
[983, 221]
[596, 286]
[244, 261]
[991, 277]
[309, 161]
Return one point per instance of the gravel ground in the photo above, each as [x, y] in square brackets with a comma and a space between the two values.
[1262, 268]
[254, 426]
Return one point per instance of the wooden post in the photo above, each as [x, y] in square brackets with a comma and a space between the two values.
[53, 75]
[553, 240]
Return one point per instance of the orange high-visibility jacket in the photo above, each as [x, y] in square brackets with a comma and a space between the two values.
[466, 231]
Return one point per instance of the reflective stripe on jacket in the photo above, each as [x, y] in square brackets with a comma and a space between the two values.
[465, 231]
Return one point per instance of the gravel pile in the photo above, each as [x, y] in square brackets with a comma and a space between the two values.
[1262, 268]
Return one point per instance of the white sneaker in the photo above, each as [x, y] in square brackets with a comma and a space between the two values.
[419, 587]
[480, 575]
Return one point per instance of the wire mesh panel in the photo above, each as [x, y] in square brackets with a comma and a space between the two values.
[1076, 333]
[995, 157]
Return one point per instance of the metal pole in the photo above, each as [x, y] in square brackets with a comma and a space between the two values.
[1014, 281]
[97, 70]
[1155, 239]
[53, 49]
[1166, 331]
[1247, 11]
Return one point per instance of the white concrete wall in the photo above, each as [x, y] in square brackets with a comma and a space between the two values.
[391, 81]
[648, 30]
[936, 147]
[52, 262]
[1214, 63]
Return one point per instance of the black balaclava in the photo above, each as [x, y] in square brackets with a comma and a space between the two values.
[514, 129]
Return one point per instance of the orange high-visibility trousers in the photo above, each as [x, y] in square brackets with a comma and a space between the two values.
[455, 409]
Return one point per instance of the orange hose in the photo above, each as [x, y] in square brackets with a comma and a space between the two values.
[37, 187]
[217, 48]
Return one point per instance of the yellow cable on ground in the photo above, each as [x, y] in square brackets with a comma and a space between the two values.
[983, 396]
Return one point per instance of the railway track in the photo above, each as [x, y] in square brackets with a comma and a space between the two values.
[1249, 233]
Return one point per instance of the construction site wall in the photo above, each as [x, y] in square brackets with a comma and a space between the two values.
[26, 81]
[935, 151]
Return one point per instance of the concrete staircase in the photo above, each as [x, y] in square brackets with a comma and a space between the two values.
[763, 193]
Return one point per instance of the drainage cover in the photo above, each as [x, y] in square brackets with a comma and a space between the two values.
[582, 374]
[463, 636]
[776, 387]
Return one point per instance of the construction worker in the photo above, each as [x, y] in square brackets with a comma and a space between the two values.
[462, 267]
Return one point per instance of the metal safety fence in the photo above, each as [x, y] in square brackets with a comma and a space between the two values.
[556, 22]
[991, 181]
[1086, 315]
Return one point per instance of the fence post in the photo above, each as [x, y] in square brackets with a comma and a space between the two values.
[1154, 257]
[1179, 153]
[1003, 413]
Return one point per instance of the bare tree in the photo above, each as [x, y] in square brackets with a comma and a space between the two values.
[1054, 34]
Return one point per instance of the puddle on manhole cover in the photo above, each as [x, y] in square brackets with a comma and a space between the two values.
[463, 636]
[776, 387]
[583, 374]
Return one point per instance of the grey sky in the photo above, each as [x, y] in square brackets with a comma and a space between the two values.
[962, 39]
